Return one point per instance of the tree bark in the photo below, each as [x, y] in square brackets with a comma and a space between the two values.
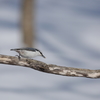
[50, 68]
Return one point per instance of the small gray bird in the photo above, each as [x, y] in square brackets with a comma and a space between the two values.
[28, 52]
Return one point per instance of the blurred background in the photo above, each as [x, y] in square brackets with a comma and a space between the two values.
[68, 34]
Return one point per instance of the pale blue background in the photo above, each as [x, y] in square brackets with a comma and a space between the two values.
[68, 33]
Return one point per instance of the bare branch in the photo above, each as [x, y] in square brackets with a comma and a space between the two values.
[50, 68]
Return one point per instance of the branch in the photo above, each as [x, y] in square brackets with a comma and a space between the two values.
[49, 68]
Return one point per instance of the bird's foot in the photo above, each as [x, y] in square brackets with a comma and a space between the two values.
[18, 57]
[27, 59]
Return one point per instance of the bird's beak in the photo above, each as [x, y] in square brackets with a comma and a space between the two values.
[43, 56]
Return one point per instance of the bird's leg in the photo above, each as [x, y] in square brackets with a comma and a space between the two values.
[18, 57]
[27, 59]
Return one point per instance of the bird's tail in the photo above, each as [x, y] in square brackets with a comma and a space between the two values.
[13, 49]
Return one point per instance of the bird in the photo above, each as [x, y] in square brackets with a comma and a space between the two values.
[28, 52]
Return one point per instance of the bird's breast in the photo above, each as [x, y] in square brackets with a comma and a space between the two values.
[28, 54]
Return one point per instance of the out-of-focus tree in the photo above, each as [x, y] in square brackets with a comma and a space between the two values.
[27, 22]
